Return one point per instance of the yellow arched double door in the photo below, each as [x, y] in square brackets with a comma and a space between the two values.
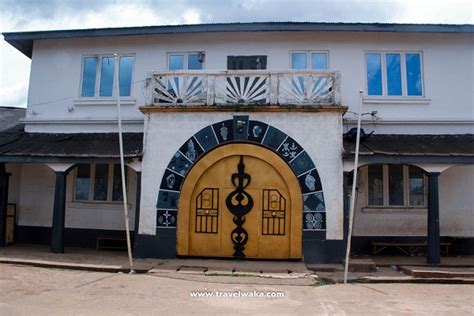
[243, 201]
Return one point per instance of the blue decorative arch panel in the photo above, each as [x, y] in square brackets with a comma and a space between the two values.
[241, 129]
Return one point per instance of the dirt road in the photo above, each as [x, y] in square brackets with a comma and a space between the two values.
[39, 291]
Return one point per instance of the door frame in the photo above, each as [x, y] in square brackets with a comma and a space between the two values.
[237, 149]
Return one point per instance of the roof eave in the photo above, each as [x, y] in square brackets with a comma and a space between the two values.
[23, 41]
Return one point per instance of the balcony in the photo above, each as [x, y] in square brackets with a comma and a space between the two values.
[245, 87]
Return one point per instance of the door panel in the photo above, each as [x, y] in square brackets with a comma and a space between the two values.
[269, 228]
[275, 219]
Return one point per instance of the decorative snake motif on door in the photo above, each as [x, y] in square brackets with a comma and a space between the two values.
[239, 203]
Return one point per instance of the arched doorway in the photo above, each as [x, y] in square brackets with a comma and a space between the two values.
[240, 200]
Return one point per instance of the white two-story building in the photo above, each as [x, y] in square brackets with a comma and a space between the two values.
[238, 139]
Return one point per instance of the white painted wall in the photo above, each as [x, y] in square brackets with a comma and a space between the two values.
[318, 133]
[456, 201]
[447, 61]
[456, 208]
[37, 196]
[37, 199]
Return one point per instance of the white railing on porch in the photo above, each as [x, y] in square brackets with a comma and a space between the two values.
[245, 87]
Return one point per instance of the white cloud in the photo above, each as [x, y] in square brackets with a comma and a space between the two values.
[192, 16]
[434, 11]
[14, 73]
[14, 93]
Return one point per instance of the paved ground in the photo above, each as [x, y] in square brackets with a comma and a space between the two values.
[387, 269]
[42, 291]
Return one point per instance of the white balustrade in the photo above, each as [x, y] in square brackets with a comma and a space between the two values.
[255, 87]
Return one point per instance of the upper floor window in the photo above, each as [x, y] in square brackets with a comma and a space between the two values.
[309, 60]
[98, 75]
[246, 62]
[394, 73]
[396, 185]
[186, 61]
[98, 182]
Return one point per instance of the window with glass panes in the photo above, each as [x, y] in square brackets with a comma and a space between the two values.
[100, 182]
[98, 75]
[184, 61]
[309, 60]
[396, 185]
[394, 74]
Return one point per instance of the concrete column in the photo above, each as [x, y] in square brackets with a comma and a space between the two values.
[3, 204]
[137, 201]
[433, 255]
[59, 213]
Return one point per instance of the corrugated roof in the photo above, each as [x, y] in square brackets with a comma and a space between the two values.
[414, 145]
[23, 41]
[16, 142]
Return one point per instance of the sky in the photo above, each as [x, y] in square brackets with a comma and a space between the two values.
[38, 15]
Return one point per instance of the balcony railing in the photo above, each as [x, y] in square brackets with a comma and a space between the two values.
[248, 87]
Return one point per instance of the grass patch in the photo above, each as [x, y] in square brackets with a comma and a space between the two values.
[320, 282]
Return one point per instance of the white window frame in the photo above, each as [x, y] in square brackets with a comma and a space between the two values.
[98, 72]
[110, 183]
[403, 73]
[185, 63]
[309, 64]
[406, 188]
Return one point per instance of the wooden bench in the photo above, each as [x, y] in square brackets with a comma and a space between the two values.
[406, 248]
[111, 242]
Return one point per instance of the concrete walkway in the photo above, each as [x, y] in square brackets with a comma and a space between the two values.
[274, 272]
[398, 270]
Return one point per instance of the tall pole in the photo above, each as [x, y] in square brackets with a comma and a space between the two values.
[353, 193]
[122, 165]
